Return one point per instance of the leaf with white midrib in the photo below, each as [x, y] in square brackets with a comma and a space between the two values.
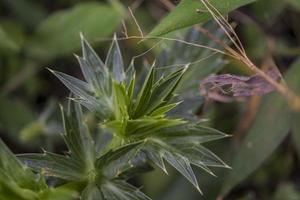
[120, 190]
[114, 61]
[144, 94]
[54, 165]
[77, 136]
[79, 88]
[93, 68]
[182, 164]
[164, 88]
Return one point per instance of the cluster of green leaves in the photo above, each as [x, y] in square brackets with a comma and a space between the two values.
[87, 167]
[142, 132]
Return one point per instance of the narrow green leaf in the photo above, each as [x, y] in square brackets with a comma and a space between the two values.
[54, 165]
[155, 154]
[77, 137]
[190, 134]
[115, 162]
[120, 190]
[201, 156]
[59, 193]
[121, 100]
[89, 74]
[261, 141]
[163, 90]
[185, 14]
[15, 170]
[265, 135]
[96, 70]
[296, 131]
[161, 111]
[92, 192]
[130, 73]
[10, 190]
[82, 90]
[144, 94]
[114, 61]
[130, 91]
[182, 164]
[294, 83]
[147, 126]
[181, 156]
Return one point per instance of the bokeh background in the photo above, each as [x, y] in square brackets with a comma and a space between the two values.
[264, 150]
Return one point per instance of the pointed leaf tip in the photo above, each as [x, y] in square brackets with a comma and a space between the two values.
[50, 70]
[81, 35]
[114, 61]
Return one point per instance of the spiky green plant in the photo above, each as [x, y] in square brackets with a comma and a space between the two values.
[95, 172]
[18, 182]
[142, 131]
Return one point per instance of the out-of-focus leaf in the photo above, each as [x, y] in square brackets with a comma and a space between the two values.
[7, 43]
[286, 191]
[59, 193]
[185, 14]
[262, 139]
[296, 131]
[295, 3]
[294, 83]
[265, 135]
[59, 34]
[265, 15]
[29, 12]
[255, 41]
[32, 131]
[15, 170]
[14, 115]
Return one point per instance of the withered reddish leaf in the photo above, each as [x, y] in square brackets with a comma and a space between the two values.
[226, 86]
